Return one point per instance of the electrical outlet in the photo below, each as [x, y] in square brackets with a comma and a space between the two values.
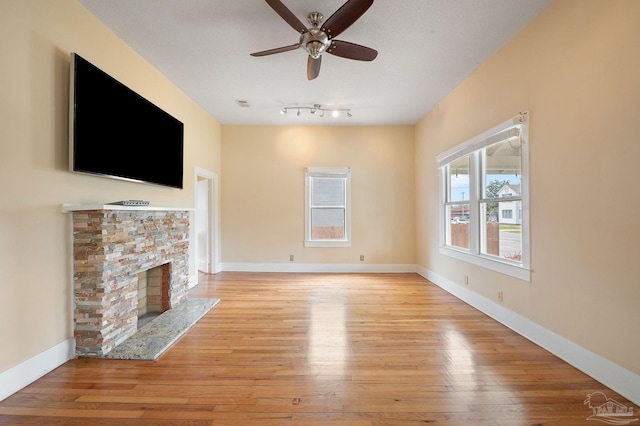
[500, 296]
[362, 258]
[466, 279]
[291, 258]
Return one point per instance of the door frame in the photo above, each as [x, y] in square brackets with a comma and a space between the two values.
[213, 221]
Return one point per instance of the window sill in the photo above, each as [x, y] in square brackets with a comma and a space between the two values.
[485, 262]
[328, 243]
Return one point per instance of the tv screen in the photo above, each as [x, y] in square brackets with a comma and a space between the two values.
[116, 133]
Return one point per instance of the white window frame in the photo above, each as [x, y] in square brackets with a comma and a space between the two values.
[474, 147]
[331, 172]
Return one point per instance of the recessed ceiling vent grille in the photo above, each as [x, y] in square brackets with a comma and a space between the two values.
[243, 104]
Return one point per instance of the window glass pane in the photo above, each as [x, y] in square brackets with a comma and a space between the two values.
[501, 234]
[327, 224]
[328, 192]
[457, 225]
[458, 180]
[502, 169]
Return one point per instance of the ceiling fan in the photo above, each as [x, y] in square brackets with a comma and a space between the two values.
[320, 37]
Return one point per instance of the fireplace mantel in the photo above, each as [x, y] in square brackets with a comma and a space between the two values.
[70, 208]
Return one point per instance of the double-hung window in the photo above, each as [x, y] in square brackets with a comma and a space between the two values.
[484, 199]
[328, 207]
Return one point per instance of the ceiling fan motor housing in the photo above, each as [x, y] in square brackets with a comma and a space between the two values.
[315, 41]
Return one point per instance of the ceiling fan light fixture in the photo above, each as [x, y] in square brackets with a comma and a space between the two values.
[315, 49]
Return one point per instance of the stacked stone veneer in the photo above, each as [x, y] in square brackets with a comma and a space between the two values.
[110, 248]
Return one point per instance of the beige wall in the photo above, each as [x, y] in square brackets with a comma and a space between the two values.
[263, 192]
[35, 268]
[575, 69]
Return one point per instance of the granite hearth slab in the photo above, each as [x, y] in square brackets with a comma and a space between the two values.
[159, 334]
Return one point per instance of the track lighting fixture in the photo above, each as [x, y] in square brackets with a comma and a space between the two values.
[317, 109]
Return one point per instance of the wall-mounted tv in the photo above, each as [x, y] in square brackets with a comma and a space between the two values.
[114, 132]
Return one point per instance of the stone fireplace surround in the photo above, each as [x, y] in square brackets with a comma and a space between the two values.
[111, 245]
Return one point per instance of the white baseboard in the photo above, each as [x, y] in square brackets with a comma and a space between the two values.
[619, 379]
[343, 268]
[16, 378]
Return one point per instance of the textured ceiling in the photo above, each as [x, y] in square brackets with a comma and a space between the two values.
[425, 49]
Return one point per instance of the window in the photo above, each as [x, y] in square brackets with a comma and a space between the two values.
[483, 181]
[327, 207]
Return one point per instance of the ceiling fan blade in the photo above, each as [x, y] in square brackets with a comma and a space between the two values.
[313, 67]
[287, 15]
[345, 16]
[344, 49]
[277, 50]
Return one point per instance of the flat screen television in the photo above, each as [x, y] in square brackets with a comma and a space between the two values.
[116, 133]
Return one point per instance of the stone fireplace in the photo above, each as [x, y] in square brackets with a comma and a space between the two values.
[112, 245]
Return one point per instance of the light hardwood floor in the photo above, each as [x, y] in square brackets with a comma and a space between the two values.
[321, 349]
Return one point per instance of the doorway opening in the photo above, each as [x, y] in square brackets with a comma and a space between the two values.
[207, 235]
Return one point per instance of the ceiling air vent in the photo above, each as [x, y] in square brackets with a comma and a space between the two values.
[243, 104]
